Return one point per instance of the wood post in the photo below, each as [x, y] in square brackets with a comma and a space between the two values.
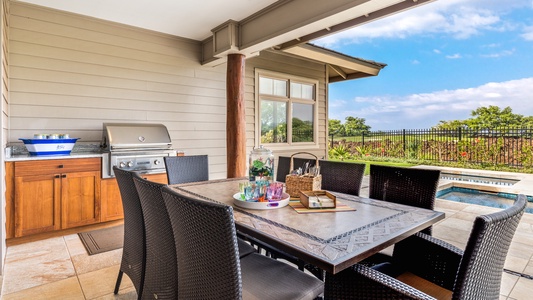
[235, 117]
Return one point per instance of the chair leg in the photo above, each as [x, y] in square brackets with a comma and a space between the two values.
[119, 280]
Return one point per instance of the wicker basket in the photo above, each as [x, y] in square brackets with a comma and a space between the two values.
[296, 183]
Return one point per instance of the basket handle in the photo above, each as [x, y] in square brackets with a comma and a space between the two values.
[291, 166]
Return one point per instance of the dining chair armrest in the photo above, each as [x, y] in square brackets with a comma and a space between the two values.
[362, 282]
[430, 258]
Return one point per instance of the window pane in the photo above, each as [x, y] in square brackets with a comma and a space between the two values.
[302, 122]
[266, 86]
[302, 91]
[296, 90]
[273, 122]
[308, 91]
[280, 88]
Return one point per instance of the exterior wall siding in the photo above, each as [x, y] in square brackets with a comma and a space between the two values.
[4, 92]
[70, 73]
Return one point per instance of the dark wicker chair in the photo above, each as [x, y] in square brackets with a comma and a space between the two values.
[160, 280]
[209, 265]
[133, 252]
[184, 169]
[475, 273]
[194, 168]
[284, 162]
[342, 177]
[410, 186]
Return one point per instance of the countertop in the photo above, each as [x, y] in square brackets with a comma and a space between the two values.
[26, 157]
[18, 152]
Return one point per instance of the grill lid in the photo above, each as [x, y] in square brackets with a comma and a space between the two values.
[135, 136]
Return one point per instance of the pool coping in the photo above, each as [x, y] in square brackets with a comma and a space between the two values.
[523, 186]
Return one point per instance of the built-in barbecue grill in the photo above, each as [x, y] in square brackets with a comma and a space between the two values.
[135, 147]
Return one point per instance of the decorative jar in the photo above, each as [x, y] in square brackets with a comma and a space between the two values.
[261, 165]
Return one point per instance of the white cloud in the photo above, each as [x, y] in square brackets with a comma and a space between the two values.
[454, 56]
[499, 54]
[528, 33]
[427, 109]
[460, 19]
[437, 51]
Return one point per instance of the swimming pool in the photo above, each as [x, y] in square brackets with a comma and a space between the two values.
[473, 196]
[478, 179]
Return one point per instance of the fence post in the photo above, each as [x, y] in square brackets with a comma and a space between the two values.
[332, 140]
[460, 132]
[363, 138]
[404, 144]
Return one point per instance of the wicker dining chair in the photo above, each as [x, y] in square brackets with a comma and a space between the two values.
[160, 280]
[410, 186]
[208, 260]
[342, 177]
[194, 168]
[133, 251]
[474, 273]
[284, 163]
[189, 168]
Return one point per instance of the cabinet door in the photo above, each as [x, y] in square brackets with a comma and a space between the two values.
[37, 204]
[111, 200]
[80, 199]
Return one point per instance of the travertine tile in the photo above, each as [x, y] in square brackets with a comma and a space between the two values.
[102, 282]
[515, 263]
[36, 263]
[84, 263]
[67, 289]
[523, 289]
[123, 294]
[508, 282]
[460, 236]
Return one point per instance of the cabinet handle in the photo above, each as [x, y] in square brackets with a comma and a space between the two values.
[63, 175]
[57, 176]
[61, 166]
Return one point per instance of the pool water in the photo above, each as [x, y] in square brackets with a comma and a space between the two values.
[479, 179]
[473, 196]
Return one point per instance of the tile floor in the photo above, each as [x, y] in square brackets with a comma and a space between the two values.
[60, 268]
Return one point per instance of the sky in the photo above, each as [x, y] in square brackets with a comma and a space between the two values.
[444, 60]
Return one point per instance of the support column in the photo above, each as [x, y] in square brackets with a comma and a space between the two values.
[235, 117]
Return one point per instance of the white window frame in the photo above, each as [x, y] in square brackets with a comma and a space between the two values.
[289, 145]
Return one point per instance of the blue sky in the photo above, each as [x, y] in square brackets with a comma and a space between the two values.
[444, 59]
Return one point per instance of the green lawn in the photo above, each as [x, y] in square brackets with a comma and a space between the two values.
[385, 163]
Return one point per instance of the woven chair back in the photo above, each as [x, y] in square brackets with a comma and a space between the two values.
[206, 246]
[410, 186]
[480, 272]
[133, 252]
[184, 169]
[160, 281]
[342, 177]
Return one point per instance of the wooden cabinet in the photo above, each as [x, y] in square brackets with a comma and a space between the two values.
[111, 200]
[53, 194]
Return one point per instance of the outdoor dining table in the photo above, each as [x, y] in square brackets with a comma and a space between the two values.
[331, 241]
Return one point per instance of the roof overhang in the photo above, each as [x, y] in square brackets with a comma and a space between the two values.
[341, 66]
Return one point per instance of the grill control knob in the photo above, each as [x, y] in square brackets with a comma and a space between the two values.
[157, 162]
[121, 164]
[130, 164]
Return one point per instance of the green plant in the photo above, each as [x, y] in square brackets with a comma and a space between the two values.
[341, 152]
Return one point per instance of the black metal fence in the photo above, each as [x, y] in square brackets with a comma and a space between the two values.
[498, 146]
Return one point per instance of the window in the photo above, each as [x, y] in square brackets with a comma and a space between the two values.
[287, 109]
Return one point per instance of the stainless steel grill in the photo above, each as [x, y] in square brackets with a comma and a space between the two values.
[135, 147]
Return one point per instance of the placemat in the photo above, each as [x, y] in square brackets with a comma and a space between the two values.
[301, 209]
